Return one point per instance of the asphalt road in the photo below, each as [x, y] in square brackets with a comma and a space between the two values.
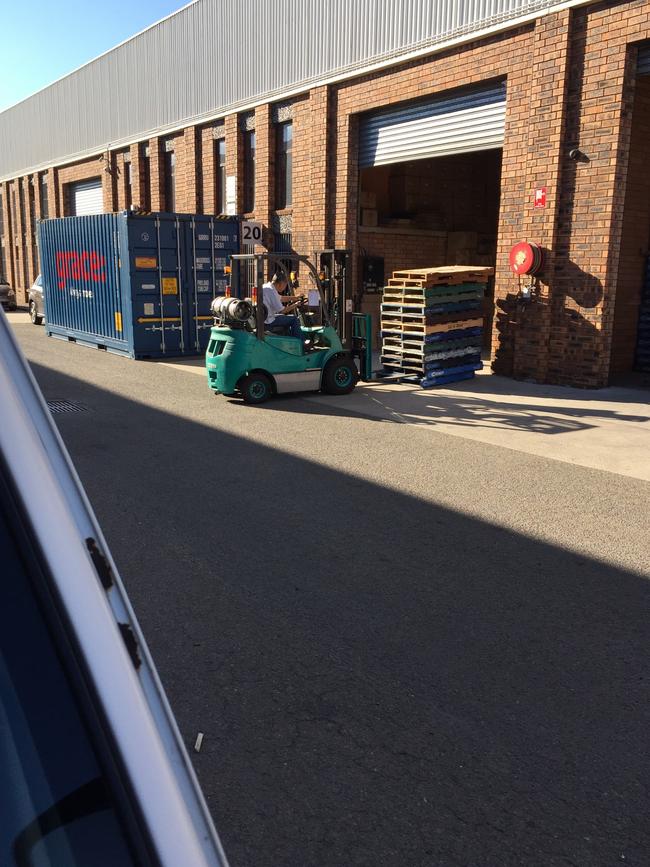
[404, 648]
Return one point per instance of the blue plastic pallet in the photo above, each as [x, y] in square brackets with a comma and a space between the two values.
[456, 334]
[444, 363]
[446, 345]
[453, 307]
[451, 371]
[445, 380]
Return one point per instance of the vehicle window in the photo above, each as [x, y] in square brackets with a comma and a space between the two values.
[61, 810]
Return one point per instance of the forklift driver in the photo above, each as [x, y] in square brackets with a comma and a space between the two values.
[280, 306]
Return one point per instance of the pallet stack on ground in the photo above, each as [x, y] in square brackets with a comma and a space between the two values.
[432, 323]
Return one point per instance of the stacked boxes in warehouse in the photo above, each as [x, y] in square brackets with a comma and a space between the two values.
[136, 285]
[432, 323]
[642, 356]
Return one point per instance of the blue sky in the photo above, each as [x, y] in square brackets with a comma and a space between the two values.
[44, 39]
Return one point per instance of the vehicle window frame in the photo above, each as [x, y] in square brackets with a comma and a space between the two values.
[70, 657]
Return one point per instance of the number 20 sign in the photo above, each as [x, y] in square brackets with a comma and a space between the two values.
[251, 232]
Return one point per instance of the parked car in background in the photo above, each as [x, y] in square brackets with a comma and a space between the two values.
[36, 305]
[7, 294]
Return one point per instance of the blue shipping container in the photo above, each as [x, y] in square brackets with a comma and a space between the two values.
[136, 285]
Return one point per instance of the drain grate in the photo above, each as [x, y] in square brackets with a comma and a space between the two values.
[65, 406]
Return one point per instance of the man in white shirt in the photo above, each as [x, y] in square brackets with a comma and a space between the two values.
[279, 306]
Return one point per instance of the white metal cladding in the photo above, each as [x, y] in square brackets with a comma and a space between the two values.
[86, 198]
[643, 60]
[215, 56]
[471, 121]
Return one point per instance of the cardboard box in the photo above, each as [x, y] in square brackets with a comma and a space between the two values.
[369, 217]
[367, 199]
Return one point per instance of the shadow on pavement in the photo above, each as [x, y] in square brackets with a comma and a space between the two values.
[458, 408]
[380, 680]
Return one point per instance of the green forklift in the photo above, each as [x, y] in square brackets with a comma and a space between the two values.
[248, 358]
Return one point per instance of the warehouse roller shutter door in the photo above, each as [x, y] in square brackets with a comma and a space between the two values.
[86, 198]
[463, 123]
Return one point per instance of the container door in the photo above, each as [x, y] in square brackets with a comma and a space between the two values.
[210, 242]
[81, 282]
[157, 264]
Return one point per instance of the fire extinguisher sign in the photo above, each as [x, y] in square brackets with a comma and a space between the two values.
[540, 197]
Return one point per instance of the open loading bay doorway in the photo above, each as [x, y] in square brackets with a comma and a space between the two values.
[429, 190]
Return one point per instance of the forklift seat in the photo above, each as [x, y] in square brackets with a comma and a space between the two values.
[281, 330]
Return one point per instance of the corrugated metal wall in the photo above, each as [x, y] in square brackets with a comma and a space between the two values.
[217, 55]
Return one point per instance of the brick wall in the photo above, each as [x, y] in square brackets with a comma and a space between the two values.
[571, 83]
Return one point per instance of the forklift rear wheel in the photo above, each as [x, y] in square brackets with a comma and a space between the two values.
[255, 388]
[340, 376]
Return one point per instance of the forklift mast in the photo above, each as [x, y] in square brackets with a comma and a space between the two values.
[334, 271]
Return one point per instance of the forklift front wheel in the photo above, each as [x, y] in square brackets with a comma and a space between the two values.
[255, 388]
[340, 376]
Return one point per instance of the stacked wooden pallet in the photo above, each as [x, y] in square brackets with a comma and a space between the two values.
[432, 322]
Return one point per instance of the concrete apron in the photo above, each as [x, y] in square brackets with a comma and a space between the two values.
[606, 429]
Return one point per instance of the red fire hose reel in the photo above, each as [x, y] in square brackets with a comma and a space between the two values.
[525, 258]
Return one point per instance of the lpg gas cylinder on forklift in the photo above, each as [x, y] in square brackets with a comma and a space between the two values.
[248, 358]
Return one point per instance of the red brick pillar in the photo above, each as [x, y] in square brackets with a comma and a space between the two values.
[599, 124]
[138, 191]
[53, 194]
[344, 185]
[235, 157]
[38, 215]
[30, 236]
[156, 174]
[310, 171]
[264, 164]
[8, 234]
[36, 178]
[318, 135]
[118, 192]
[20, 238]
[532, 158]
[109, 186]
[188, 187]
[207, 170]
